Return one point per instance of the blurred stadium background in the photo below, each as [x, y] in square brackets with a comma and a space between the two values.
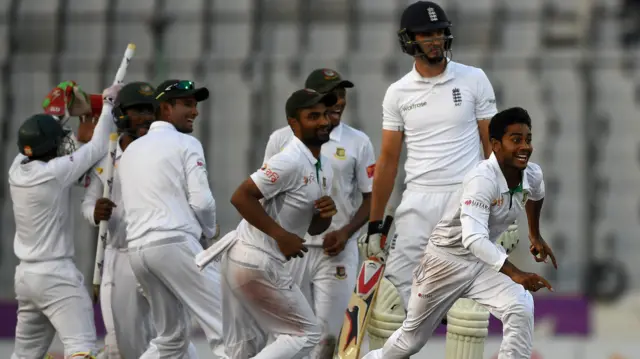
[572, 63]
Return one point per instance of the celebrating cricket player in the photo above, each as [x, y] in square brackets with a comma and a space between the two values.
[168, 207]
[49, 288]
[441, 109]
[327, 273]
[281, 202]
[125, 311]
[462, 260]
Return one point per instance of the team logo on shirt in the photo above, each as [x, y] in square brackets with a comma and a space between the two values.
[28, 151]
[340, 153]
[341, 272]
[525, 197]
[457, 96]
[497, 202]
[99, 170]
[477, 204]
[371, 170]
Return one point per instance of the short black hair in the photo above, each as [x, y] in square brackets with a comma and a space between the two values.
[505, 118]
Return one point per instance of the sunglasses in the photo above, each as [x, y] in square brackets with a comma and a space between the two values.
[180, 85]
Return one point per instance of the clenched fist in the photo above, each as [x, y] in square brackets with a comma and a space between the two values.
[103, 210]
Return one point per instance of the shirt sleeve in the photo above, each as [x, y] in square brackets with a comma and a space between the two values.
[93, 190]
[536, 182]
[485, 98]
[474, 218]
[199, 194]
[391, 118]
[365, 167]
[279, 174]
[68, 169]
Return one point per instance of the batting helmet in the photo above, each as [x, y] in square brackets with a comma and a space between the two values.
[40, 134]
[133, 94]
[421, 17]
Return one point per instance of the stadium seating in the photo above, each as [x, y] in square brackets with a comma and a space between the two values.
[251, 59]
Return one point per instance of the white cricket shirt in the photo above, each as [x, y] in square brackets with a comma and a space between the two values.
[291, 181]
[165, 190]
[352, 159]
[41, 193]
[95, 180]
[487, 207]
[439, 118]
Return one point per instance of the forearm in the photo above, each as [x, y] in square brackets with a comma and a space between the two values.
[487, 252]
[252, 211]
[319, 225]
[360, 217]
[509, 269]
[533, 209]
[383, 182]
[205, 211]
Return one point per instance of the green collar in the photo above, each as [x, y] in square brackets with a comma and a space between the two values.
[318, 168]
[517, 189]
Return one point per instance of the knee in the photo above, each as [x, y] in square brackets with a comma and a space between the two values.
[312, 335]
[520, 312]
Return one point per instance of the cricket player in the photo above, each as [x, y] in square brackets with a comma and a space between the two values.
[281, 202]
[462, 260]
[327, 273]
[125, 310]
[49, 288]
[169, 207]
[441, 109]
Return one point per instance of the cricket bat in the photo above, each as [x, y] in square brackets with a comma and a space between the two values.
[113, 143]
[361, 303]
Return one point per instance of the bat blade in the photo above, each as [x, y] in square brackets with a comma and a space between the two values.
[359, 309]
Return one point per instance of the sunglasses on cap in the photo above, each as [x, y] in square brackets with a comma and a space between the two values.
[181, 85]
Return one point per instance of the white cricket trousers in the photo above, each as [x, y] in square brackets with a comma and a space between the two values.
[125, 311]
[175, 287]
[415, 218]
[261, 299]
[442, 278]
[327, 283]
[52, 298]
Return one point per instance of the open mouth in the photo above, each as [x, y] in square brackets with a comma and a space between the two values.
[523, 158]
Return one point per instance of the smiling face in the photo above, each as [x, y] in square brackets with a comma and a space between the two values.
[181, 112]
[312, 126]
[336, 111]
[514, 149]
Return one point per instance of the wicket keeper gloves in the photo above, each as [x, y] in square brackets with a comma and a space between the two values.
[375, 243]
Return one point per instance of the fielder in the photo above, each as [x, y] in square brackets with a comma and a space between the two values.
[462, 260]
[49, 288]
[441, 109]
[125, 310]
[288, 197]
[169, 207]
[327, 273]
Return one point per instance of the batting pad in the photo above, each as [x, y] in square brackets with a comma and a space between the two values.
[387, 315]
[468, 326]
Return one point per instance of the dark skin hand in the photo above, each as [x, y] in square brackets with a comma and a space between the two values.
[103, 210]
[335, 241]
[325, 210]
[246, 199]
[530, 281]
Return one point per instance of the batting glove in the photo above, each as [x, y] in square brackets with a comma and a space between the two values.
[376, 243]
[509, 239]
[109, 94]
